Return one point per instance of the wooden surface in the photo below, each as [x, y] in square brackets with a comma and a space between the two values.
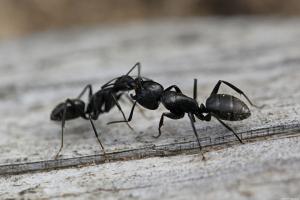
[261, 56]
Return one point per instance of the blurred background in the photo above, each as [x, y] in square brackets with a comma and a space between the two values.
[18, 18]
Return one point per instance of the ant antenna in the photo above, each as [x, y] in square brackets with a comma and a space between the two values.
[195, 89]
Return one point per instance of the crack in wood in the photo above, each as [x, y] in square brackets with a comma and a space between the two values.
[189, 147]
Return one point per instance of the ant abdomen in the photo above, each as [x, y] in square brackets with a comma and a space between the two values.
[71, 110]
[227, 107]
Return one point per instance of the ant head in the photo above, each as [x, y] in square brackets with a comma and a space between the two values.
[125, 83]
[73, 108]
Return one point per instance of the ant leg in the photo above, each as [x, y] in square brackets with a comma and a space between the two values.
[138, 64]
[161, 122]
[216, 89]
[229, 129]
[62, 130]
[195, 89]
[91, 121]
[96, 134]
[129, 118]
[175, 87]
[193, 118]
[196, 134]
[119, 107]
[199, 112]
[207, 117]
[88, 87]
[202, 107]
[138, 107]
[109, 82]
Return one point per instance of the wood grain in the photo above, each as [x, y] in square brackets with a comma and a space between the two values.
[259, 55]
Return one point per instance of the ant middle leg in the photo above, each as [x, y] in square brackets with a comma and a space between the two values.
[169, 115]
[192, 118]
[96, 134]
[216, 89]
[83, 115]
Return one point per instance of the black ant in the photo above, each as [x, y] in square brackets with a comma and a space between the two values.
[72, 109]
[221, 106]
[147, 93]
[100, 102]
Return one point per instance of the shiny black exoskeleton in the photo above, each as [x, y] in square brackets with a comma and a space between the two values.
[220, 106]
[100, 102]
[147, 94]
[106, 98]
[72, 109]
[178, 105]
[226, 107]
[150, 94]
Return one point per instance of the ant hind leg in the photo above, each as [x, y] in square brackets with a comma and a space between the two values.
[230, 129]
[216, 89]
[62, 130]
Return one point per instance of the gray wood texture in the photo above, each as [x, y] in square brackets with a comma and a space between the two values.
[259, 55]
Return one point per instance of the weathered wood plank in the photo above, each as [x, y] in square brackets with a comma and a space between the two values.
[266, 169]
[261, 56]
[287, 130]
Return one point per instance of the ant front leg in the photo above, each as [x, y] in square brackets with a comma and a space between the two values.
[138, 107]
[216, 89]
[169, 115]
[129, 118]
[119, 107]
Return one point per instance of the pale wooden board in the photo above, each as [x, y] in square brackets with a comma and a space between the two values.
[261, 56]
[264, 170]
